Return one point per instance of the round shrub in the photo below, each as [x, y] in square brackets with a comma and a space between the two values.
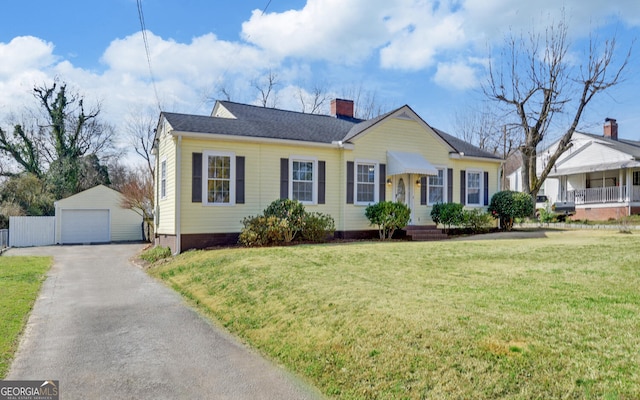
[447, 214]
[508, 205]
[290, 210]
[317, 227]
[389, 216]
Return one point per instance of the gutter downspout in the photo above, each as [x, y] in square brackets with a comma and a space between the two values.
[342, 191]
[156, 174]
[178, 195]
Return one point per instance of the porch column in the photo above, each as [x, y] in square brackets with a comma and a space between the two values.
[621, 197]
[629, 196]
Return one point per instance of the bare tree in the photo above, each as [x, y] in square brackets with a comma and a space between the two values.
[141, 129]
[137, 195]
[365, 102]
[266, 89]
[313, 102]
[226, 93]
[536, 81]
[485, 128]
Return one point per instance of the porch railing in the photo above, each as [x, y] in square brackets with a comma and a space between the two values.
[610, 194]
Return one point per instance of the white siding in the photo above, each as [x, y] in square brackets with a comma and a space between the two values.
[594, 154]
[31, 231]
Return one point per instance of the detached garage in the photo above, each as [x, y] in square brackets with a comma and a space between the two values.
[95, 216]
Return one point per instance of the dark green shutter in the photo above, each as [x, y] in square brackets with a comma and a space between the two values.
[284, 178]
[350, 182]
[239, 180]
[423, 190]
[486, 188]
[450, 185]
[196, 177]
[321, 182]
[382, 169]
[463, 187]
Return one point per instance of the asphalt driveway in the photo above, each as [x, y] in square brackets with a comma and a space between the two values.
[106, 330]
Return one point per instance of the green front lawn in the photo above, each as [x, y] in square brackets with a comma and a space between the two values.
[554, 317]
[20, 281]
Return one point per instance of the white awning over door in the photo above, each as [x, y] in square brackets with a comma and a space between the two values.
[408, 163]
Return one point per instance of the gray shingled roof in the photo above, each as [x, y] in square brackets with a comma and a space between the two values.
[463, 147]
[253, 121]
[261, 122]
[631, 147]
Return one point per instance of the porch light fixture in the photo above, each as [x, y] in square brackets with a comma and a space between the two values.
[388, 181]
[418, 182]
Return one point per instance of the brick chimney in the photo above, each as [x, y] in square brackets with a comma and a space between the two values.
[611, 128]
[342, 108]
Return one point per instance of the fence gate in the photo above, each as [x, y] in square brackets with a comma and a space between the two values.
[32, 231]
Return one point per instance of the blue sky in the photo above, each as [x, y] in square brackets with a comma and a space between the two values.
[425, 53]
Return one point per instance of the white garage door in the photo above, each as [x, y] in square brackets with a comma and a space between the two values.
[84, 226]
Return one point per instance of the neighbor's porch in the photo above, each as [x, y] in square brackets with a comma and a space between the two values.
[601, 187]
[603, 195]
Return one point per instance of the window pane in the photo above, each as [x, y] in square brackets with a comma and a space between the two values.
[218, 191]
[366, 173]
[219, 167]
[437, 180]
[302, 191]
[366, 192]
[435, 195]
[473, 188]
[365, 183]
[302, 181]
[219, 179]
[436, 187]
[474, 196]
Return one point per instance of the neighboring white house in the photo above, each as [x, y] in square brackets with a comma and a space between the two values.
[95, 216]
[600, 173]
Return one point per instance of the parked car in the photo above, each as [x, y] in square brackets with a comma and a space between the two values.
[560, 209]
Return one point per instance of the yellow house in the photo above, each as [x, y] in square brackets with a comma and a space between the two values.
[212, 171]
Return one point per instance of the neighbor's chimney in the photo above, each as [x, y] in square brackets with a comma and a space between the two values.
[611, 128]
[342, 108]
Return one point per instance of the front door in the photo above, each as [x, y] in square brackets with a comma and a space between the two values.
[403, 191]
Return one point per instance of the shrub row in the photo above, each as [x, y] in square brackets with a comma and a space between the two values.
[454, 214]
[282, 222]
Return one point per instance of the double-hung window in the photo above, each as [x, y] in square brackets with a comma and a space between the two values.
[163, 179]
[474, 187]
[366, 173]
[303, 180]
[436, 187]
[219, 178]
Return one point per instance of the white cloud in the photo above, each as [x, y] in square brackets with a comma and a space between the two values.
[26, 61]
[202, 59]
[336, 30]
[25, 53]
[418, 47]
[457, 75]
[489, 20]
